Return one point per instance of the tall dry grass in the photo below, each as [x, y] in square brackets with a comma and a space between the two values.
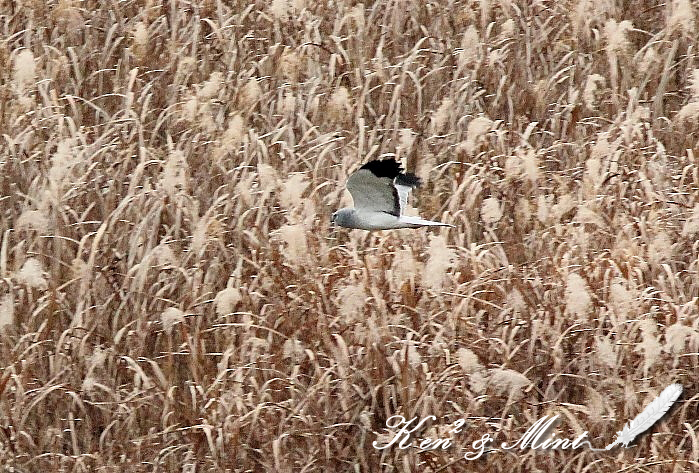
[172, 296]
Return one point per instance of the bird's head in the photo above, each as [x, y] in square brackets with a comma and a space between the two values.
[343, 218]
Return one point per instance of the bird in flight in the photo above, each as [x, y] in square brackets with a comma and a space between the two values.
[380, 191]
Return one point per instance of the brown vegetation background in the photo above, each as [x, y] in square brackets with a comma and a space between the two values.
[172, 297]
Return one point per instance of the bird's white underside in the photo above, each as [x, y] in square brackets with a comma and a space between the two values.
[372, 220]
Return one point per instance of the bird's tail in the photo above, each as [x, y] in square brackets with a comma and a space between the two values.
[418, 222]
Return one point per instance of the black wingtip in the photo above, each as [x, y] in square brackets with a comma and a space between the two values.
[392, 169]
[388, 167]
[408, 179]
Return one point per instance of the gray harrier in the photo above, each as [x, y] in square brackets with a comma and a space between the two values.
[380, 191]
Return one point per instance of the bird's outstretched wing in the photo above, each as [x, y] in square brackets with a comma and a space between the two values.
[380, 186]
[404, 183]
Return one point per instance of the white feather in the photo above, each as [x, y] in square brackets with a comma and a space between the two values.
[403, 192]
[650, 415]
[409, 220]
